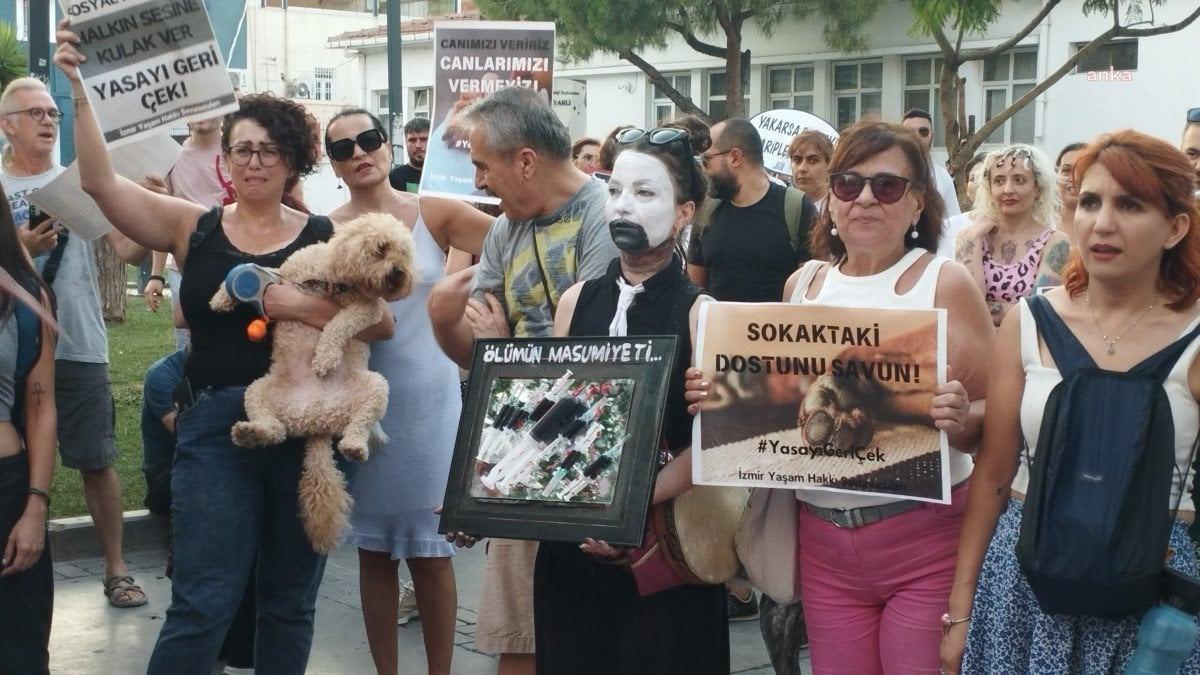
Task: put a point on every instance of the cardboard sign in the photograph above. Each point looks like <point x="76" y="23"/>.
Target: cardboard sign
<point x="777" y="129"/>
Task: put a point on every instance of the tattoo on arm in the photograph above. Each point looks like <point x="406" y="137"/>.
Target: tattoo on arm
<point x="37" y="394"/>
<point x="963" y="250"/>
<point x="1053" y="262"/>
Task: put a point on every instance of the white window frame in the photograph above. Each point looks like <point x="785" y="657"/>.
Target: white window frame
<point x="1003" y="135"/>
<point x="718" y="96"/>
<point x="380" y="98"/>
<point x="322" y="89"/>
<point x="933" y="89"/>
<point x="665" y="102"/>
<point x="788" y="98"/>
<point x="858" y="91"/>
<point x="418" y="109"/>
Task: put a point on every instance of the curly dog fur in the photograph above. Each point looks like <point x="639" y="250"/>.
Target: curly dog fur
<point x="318" y="386"/>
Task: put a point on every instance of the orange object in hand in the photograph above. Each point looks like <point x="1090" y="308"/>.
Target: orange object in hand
<point x="257" y="330"/>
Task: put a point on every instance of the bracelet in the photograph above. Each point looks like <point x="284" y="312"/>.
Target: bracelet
<point x="948" y="622"/>
<point x="159" y="278"/>
<point x="40" y="493"/>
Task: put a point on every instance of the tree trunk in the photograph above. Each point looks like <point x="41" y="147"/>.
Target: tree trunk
<point x="111" y="280"/>
<point x="733" y="72"/>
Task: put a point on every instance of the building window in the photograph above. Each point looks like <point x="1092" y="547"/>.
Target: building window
<point x="857" y="90"/>
<point x="716" y="95"/>
<point x="420" y="103"/>
<point x="1116" y="55"/>
<point x="322" y="84"/>
<point x="921" y="89"/>
<point x="663" y="107"/>
<point x="380" y="98"/>
<point x="1006" y="78"/>
<point x="790" y="87"/>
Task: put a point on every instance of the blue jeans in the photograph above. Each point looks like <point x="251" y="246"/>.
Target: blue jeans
<point x="231" y="504"/>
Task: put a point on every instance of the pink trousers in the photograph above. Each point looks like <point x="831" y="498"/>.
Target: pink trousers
<point x="874" y="595"/>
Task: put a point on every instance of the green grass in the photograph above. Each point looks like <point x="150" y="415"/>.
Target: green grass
<point x="133" y="346"/>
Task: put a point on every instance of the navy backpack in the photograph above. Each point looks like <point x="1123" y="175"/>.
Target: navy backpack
<point x="1097" y="518"/>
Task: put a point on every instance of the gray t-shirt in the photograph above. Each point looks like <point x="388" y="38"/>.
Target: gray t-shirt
<point x="572" y="244"/>
<point x="82" y="335"/>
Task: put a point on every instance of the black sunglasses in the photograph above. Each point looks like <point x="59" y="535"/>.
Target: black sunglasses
<point x="659" y="136"/>
<point x="888" y="188"/>
<point x="1193" y="115"/>
<point x="343" y="149"/>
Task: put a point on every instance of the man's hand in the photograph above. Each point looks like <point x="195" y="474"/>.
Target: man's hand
<point x="487" y="318"/>
<point x="39" y="239"/>
<point x="153" y="294"/>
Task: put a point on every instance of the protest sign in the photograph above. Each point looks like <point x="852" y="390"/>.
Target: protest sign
<point x="67" y="203"/>
<point x="473" y="59"/>
<point x="778" y="127"/>
<point x="559" y="438"/>
<point x="824" y="398"/>
<point x="150" y="63"/>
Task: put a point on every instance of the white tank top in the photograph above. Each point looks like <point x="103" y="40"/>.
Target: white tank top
<point x="1041" y="379"/>
<point x="876" y="290"/>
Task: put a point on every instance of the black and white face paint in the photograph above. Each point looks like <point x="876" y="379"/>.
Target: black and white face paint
<point x="641" y="202"/>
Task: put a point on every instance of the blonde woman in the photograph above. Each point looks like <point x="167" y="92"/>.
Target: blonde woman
<point x="1013" y="246"/>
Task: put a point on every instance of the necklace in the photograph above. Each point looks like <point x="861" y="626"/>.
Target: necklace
<point x="1112" y="342"/>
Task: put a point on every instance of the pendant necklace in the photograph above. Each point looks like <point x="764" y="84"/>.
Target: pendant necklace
<point x="1112" y="342"/>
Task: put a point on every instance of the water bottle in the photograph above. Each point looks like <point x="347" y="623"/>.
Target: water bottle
<point x="1168" y="630"/>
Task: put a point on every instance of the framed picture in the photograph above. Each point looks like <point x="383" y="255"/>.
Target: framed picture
<point x="559" y="439"/>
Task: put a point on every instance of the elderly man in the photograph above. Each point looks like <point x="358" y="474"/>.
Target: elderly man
<point x="552" y="234"/>
<point x="29" y="119"/>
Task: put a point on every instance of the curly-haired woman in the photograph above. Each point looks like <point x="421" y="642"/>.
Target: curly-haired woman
<point x="229" y="504"/>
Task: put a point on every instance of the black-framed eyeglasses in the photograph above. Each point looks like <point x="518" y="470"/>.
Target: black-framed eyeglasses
<point x="268" y="155"/>
<point x="888" y="188"/>
<point x="343" y="149"/>
<point x="706" y="156"/>
<point x="659" y="136"/>
<point x="39" y="114"/>
<point x="1193" y="115"/>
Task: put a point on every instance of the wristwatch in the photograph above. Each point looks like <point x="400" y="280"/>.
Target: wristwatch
<point x="948" y="622"/>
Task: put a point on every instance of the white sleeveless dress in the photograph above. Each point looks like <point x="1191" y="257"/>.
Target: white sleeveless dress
<point x="396" y="490"/>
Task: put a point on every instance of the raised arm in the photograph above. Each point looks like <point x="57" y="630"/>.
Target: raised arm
<point x="157" y="222"/>
<point x="455" y="223"/>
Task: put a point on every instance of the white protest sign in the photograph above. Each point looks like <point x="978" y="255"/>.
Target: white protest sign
<point x="150" y="63"/>
<point x="67" y="203"/>
<point x="778" y="127"/>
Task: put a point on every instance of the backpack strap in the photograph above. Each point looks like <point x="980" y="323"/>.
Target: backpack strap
<point x="704" y="216"/>
<point x="798" y="212"/>
<point x="322" y="227"/>
<point x="1161" y="363"/>
<point x="205" y="226"/>
<point x="50" y="269"/>
<point x="1068" y="354"/>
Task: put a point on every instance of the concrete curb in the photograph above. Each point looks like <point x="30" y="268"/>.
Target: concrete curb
<point x="74" y="538"/>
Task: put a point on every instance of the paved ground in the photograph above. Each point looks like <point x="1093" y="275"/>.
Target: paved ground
<point x="91" y="637"/>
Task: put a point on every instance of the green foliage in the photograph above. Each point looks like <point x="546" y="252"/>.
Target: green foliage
<point x="14" y="62"/>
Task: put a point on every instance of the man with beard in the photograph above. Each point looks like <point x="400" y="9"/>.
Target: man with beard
<point x="407" y="177"/>
<point x="1191" y="143"/>
<point x="753" y="233"/>
<point x="552" y="234"/>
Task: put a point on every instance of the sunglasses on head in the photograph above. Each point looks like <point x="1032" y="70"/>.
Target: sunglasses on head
<point x="659" y="136"/>
<point x="1193" y="115"/>
<point x="888" y="188"/>
<point x="343" y="149"/>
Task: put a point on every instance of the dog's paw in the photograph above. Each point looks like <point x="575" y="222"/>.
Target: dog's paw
<point x="251" y="435"/>
<point x="832" y="415"/>
<point x="222" y="301"/>
<point x="326" y="362"/>
<point x="354" y="450"/>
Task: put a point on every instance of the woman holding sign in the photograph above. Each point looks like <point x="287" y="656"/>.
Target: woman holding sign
<point x="589" y="615"/>
<point x="231" y="504"/>
<point x="876" y="570"/>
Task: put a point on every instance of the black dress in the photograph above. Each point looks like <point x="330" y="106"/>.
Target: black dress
<point x="588" y="615"/>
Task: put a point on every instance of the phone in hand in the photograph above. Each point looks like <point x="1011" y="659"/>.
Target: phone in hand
<point x="37" y="216"/>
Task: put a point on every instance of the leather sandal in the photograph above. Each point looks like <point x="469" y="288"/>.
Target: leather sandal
<point x="121" y="591"/>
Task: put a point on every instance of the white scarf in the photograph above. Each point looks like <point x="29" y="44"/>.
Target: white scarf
<point x="619" y="326"/>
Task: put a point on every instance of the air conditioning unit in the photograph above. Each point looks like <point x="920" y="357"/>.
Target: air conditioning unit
<point x="303" y="90"/>
<point x="240" y="77"/>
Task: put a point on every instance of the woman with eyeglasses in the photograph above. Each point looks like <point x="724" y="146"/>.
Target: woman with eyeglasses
<point x="231" y="504"/>
<point x="1013" y="246"/>
<point x="399" y="486"/>
<point x="875" y="595"/>
<point x="588" y="613"/>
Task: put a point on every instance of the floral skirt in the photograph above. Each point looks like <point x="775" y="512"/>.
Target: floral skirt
<point x="1009" y="633"/>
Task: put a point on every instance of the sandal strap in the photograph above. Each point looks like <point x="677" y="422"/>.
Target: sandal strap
<point x="118" y="583"/>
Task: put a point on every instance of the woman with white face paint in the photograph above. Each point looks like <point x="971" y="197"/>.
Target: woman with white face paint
<point x="587" y="611"/>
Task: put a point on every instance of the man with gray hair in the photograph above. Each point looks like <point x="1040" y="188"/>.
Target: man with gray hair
<point x="552" y="234"/>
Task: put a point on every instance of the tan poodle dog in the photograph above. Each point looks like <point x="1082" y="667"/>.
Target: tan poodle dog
<point x="318" y="386"/>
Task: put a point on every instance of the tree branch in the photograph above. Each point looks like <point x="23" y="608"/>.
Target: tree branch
<point x="658" y="79"/>
<point x="980" y="54"/>
<point x="1125" y="31"/>
<point x="692" y="41"/>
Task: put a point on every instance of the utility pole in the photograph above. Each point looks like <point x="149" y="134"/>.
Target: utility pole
<point x="395" y="120"/>
<point x="39" y="40"/>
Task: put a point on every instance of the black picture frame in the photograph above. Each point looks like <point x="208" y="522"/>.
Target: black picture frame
<point x="646" y="360"/>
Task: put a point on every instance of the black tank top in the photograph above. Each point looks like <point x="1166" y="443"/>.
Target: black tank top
<point x="663" y="308"/>
<point x="221" y="354"/>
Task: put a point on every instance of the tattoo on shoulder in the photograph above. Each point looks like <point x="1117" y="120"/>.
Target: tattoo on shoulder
<point x="963" y="249"/>
<point x="1056" y="257"/>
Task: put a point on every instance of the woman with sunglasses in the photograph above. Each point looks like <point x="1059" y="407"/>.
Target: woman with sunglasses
<point x="874" y="594"/>
<point x="1013" y="246"/>
<point x="397" y="489"/>
<point x="231" y="504"/>
<point x="589" y="615"/>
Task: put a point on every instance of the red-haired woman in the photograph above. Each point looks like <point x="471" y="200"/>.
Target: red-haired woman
<point x="1130" y="291"/>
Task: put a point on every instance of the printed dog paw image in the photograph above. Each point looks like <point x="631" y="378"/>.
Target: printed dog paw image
<point x="831" y="414"/>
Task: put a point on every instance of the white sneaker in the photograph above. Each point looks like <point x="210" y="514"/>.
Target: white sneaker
<point x="408" y="603"/>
